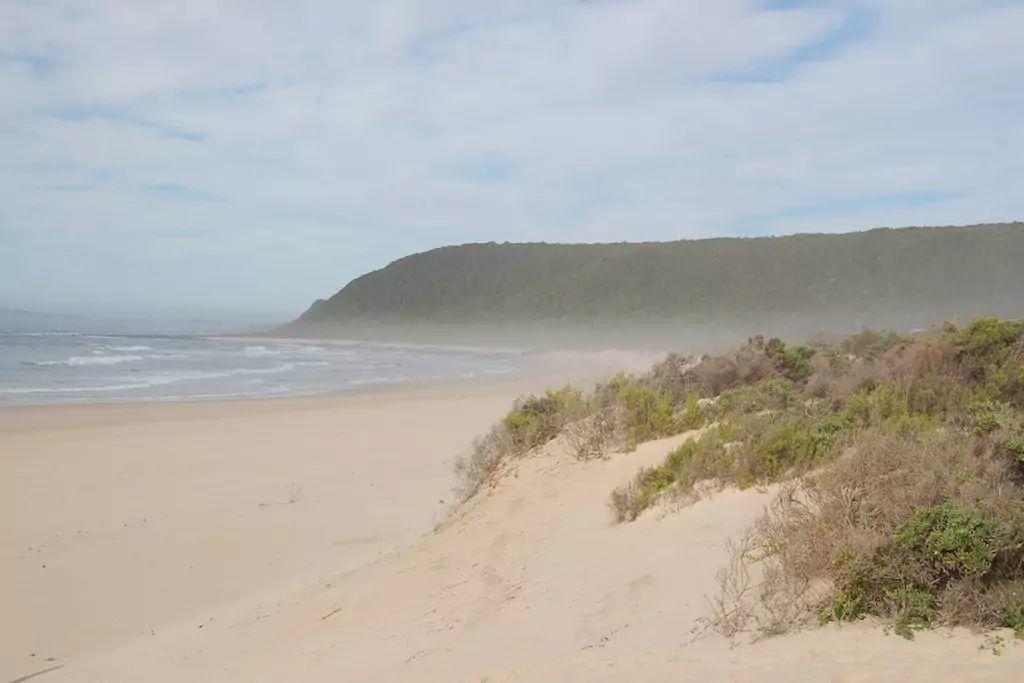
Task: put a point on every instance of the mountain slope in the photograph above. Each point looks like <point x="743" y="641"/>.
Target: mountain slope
<point x="930" y="271"/>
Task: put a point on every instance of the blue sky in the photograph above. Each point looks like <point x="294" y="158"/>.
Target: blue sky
<point x="249" y="157"/>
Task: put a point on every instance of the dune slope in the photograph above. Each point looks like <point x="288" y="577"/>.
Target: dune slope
<point x="531" y="581"/>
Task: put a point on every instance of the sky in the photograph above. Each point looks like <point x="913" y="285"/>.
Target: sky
<point x="249" y="157"/>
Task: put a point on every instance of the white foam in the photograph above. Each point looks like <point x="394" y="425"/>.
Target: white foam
<point x="199" y="375"/>
<point x="77" y="361"/>
<point x="74" y="390"/>
<point x="260" y="351"/>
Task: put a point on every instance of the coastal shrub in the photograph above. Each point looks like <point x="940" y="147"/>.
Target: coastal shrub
<point x="792" y="362"/>
<point x="629" y="501"/>
<point x="592" y="435"/>
<point x="987" y="342"/>
<point x="674" y="376"/>
<point x="1013" y="618"/>
<point x="773" y="394"/>
<point x="912" y="608"/>
<point x="948" y="541"/>
<point x="535" y="420"/>
<point x="748" y="365"/>
<point x="746" y="449"/>
<point x="1015" y="448"/>
<point x="905" y="463"/>
<point x="695" y="459"/>
<point x="899" y="461"/>
<point x="648" y="414"/>
<point x="485" y="459"/>
<point x="989" y="351"/>
<point x="871" y="344"/>
<point x="693" y="414"/>
<point x="920" y="529"/>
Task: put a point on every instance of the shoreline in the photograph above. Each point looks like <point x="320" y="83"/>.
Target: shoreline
<point x="271" y="400"/>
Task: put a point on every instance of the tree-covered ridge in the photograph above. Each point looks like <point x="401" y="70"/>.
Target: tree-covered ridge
<point x="927" y="270"/>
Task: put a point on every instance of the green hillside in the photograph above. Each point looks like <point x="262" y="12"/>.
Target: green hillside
<point x="930" y="272"/>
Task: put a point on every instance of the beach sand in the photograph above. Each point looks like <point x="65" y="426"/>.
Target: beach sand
<point x="124" y="518"/>
<point x="294" y="540"/>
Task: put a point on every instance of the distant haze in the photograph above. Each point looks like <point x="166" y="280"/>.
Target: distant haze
<point x="249" y="157"/>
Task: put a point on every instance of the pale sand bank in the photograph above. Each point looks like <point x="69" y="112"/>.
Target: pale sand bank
<point x="529" y="582"/>
<point x="122" y="518"/>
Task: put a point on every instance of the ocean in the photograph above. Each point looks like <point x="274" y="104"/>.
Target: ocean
<point x="46" y="367"/>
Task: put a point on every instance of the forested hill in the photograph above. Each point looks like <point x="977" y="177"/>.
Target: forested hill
<point x="932" y="272"/>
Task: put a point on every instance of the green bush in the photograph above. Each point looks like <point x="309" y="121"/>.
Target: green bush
<point x="985" y="417"/>
<point x="844" y="607"/>
<point x="914" y="609"/>
<point x="990" y="352"/>
<point x="535" y="420"/>
<point x="629" y="501"/>
<point x="788" y="446"/>
<point x="777" y="393"/>
<point x="871" y="344"/>
<point x="693" y="414"/>
<point x="949" y="541"/>
<point x="987" y="341"/>
<point x="1015" y="447"/>
<point x="1013" y="617"/>
<point x="649" y="414"/>
<point x="793" y="362"/>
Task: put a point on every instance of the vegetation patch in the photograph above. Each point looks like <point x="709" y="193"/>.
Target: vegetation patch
<point x="915" y="514"/>
<point x="900" y="461"/>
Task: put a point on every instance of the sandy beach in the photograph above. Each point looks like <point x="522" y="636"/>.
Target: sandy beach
<point x="125" y="518"/>
<point x="295" y="540"/>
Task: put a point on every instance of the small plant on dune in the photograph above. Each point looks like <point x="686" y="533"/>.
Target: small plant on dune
<point x="484" y="461"/>
<point x="693" y="414"/>
<point x="1013" y="618"/>
<point x="913" y="609"/>
<point x="628" y="502"/>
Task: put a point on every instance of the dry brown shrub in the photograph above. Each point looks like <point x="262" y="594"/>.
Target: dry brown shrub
<point x="853" y="508"/>
<point x="749" y="365"/>
<point x="1017" y="354"/>
<point x="672" y="376"/>
<point x="834" y="377"/>
<point x="484" y="461"/>
<point x="732" y="606"/>
<point x="595" y="435"/>
<point x="913" y="362"/>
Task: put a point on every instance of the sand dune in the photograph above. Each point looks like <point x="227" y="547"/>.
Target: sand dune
<point x="528" y="582"/>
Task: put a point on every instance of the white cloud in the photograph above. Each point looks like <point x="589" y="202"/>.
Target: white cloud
<point x="341" y="135"/>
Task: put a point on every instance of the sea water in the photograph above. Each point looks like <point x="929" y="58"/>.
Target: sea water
<point x="41" y="367"/>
